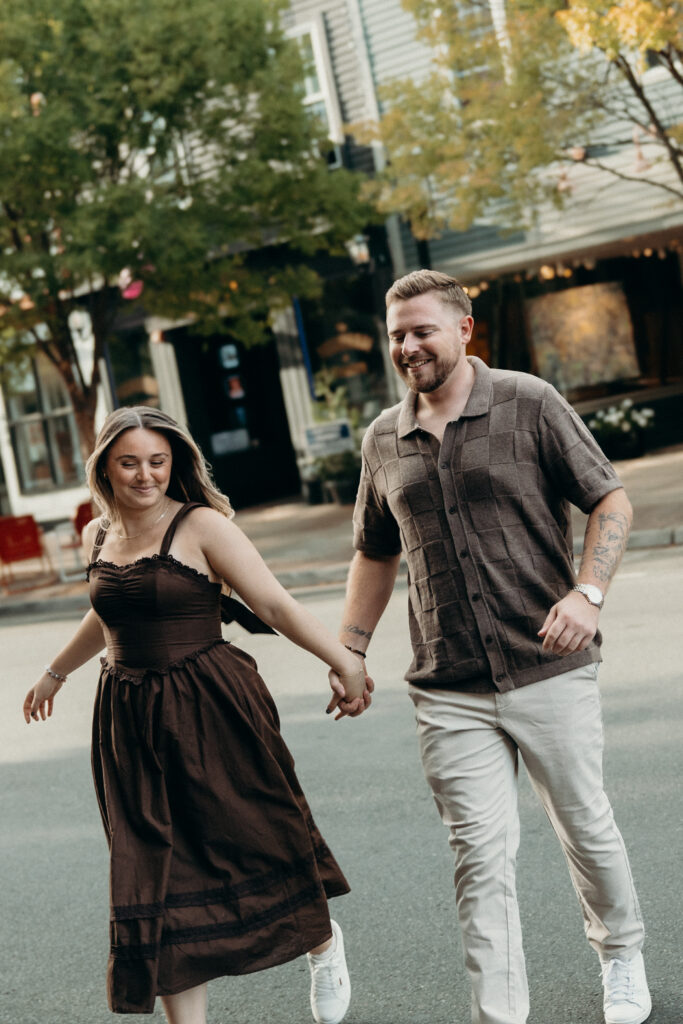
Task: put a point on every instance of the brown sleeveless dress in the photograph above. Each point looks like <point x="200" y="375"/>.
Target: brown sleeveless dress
<point x="217" y="866"/>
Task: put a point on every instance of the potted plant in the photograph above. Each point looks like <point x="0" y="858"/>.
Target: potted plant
<point x="620" y="429"/>
<point x="340" y="476"/>
<point x="311" y="484"/>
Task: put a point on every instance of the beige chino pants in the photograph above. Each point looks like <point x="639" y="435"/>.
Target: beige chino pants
<point x="469" y="745"/>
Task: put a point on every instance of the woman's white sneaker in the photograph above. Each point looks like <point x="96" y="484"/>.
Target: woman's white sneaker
<point x="330" y="984"/>
<point x="627" y="997"/>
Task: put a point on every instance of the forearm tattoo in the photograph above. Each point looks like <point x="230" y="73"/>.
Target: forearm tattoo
<point x="358" y="631"/>
<point x="610" y="544"/>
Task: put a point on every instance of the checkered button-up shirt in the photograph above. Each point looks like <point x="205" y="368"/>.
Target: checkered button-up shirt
<point x="483" y="521"/>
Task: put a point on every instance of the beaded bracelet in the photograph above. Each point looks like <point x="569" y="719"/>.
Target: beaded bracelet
<point x="361" y="654"/>
<point x="55" y="675"/>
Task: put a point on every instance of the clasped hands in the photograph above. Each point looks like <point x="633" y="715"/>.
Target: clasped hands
<point x="343" y="701"/>
<point x="569" y="626"/>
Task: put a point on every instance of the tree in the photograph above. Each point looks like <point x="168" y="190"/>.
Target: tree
<point x="519" y="89"/>
<point x="166" y="142"/>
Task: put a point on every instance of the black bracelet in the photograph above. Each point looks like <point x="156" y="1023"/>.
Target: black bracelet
<point x="361" y="654"/>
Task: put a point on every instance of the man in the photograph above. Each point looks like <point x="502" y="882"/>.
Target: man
<point x="471" y="477"/>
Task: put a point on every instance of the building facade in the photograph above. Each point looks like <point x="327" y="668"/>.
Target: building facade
<point x="590" y="299"/>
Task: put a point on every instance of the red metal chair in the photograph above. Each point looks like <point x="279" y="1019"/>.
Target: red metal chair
<point x="68" y="539"/>
<point x="82" y="516"/>
<point x="21" y="539"/>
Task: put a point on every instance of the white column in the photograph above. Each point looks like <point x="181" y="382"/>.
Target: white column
<point x="293" y="378"/>
<point x="165" y="368"/>
<point x="9" y="465"/>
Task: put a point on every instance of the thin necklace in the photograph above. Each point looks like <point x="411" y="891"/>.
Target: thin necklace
<point x="132" y="536"/>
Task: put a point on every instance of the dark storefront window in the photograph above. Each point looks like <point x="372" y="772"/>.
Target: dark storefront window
<point x="131" y="365"/>
<point x="345" y="347"/>
<point x="235" y="411"/>
<point x="594" y="331"/>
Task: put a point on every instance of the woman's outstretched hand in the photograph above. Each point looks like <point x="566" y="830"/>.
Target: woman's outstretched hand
<point x="351" y="693"/>
<point x="40" y="698"/>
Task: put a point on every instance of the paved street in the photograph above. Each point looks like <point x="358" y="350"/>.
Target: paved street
<point x="366" y="789"/>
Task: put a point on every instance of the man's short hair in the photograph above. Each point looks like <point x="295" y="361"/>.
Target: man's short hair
<point x="419" y="282"/>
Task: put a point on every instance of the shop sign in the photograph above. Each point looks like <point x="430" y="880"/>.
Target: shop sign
<point x="328" y="438"/>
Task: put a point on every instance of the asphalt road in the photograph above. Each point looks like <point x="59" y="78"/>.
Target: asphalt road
<point x="365" y="786"/>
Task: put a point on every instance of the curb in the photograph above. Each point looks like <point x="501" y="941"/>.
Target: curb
<point x="46" y="610"/>
<point x="304" y="581"/>
<point x="292" y="579"/>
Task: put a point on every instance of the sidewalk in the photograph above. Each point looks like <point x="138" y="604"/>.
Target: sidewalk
<point x="310" y="545"/>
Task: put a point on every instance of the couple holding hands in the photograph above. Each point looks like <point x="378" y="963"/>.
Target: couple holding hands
<point x="217" y="866"/>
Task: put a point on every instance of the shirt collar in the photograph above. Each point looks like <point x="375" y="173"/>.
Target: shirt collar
<point x="478" y="403"/>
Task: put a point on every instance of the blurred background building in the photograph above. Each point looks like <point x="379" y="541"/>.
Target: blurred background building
<point x="590" y="299"/>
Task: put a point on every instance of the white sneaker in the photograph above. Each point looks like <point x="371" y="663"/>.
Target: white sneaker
<point x="330" y="985"/>
<point x="627" y="997"/>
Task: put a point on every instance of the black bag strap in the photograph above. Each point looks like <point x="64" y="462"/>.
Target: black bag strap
<point x="235" y="611"/>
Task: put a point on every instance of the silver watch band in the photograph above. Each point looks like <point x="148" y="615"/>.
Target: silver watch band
<point x="592" y="593"/>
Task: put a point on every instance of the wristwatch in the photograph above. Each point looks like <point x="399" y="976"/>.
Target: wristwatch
<point x="592" y="593"/>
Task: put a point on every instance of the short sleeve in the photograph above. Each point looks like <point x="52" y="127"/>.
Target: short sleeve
<point x="375" y="531"/>
<point x="570" y="455"/>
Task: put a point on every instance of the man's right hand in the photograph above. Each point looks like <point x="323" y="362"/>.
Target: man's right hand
<point x="348" y="708"/>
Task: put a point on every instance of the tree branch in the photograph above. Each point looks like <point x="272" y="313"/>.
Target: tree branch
<point x="13" y="218"/>
<point x="639" y="91"/>
<point x="671" y="62"/>
<point x="631" y="177"/>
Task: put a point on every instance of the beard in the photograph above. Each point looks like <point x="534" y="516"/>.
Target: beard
<point x="440" y="370"/>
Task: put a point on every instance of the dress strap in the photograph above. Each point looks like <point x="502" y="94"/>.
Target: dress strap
<point x="99" y="541"/>
<point x="173" y="525"/>
<point x="231" y="610"/>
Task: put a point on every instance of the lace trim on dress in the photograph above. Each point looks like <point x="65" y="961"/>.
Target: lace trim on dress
<point x="231" y="610"/>
<point x="125" y="674"/>
<point x="189" y="570"/>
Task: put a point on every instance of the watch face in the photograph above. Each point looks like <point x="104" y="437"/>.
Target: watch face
<point x="594" y="594"/>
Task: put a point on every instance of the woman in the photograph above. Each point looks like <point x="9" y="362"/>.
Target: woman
<point x="216" y="864"/>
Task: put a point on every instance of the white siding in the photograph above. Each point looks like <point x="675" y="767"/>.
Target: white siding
<point x="393" y="47"/>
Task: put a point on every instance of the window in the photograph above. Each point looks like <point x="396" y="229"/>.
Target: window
<point x="319" y="92"/>
<point x="42" y="428"/>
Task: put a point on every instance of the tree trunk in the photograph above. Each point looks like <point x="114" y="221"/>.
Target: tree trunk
<point x="84" y="414"/>
<point x="62" y="352"/>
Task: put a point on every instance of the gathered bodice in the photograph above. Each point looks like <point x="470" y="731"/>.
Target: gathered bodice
<point x="156" y="610"/>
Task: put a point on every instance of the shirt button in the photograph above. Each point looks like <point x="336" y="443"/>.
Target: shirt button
<point x="475" y="597"/>
<point x="500" y="678"/>
<point x="451" y="510"/>
<point x="464" y="553"/>
<point x="489" y="640"/>
<point x="444" y="465"/>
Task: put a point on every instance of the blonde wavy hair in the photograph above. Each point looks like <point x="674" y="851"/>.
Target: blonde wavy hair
<point x="190" y="473"/>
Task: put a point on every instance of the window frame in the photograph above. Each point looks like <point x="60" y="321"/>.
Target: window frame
<point x="314" y="28"/>
<point x="45" y="417"/>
